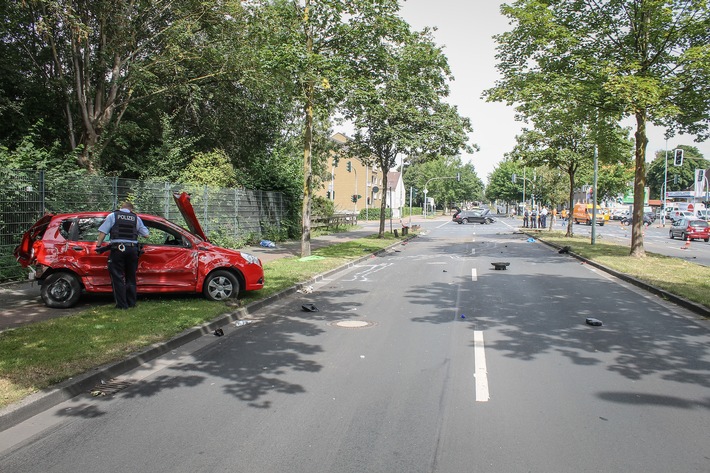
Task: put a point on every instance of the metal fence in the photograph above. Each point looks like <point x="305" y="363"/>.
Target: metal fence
<point x="224" y="214"/>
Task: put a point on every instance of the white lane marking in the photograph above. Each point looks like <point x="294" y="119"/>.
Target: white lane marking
<point x="474" y="275"/>
<point x="473" y="251"/>
<point x="480" y="371"/>
<point x="363" y="275"/>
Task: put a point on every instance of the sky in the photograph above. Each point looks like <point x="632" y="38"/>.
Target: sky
<point x="465" y="29"/>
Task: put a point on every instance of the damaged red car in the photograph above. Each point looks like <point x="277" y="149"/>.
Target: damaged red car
<point x="60" y="252"/>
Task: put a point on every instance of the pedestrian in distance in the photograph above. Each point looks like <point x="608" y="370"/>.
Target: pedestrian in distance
<point x="526" y="215"/>
<point x="543" y="217"/>
<point x="123" y="227"/>
<point x="533" y="218"/>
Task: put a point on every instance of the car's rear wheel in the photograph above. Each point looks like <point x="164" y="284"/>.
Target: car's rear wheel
<point x="220" y="285"/>
<point x="61" y="290"/>
<point x="683" y="236"/>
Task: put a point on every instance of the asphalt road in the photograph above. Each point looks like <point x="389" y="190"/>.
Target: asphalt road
<point x="423" y="360"/>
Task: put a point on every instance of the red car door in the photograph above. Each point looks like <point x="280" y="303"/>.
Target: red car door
<point x="169" y="260"/>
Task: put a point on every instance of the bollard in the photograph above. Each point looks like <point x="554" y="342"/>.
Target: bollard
<point x="396" y="235"/>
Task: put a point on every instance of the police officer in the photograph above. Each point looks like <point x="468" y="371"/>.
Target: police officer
<point x="123" y="226"/>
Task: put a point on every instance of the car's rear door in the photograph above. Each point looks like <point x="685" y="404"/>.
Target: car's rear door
<point x="80" y="252"/>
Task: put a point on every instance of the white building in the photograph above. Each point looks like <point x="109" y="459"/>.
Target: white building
<point x="395" y="193"/>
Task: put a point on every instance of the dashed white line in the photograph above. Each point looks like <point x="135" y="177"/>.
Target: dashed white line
<point x="480" y="371"/>
<point x="474" y="275"/>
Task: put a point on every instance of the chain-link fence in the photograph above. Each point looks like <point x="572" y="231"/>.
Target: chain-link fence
<point x="226" y="215"/>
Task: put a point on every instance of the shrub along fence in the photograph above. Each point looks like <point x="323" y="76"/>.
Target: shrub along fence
<point x="230" y="217"/>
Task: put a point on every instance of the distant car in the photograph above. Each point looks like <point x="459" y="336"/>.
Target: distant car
<point x="619" y="214"/>
<point x="690" y="229"/>
<point x="60" y="249"/>
<point x="703" y="214"/>
<point x="473" y="216"/>
<point x="681" y="214"/>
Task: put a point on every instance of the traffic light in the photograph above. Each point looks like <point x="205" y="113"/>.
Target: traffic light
<point x="354" y="198"/>
<point x="678" y="157"/>
<point x="349" y="168"/>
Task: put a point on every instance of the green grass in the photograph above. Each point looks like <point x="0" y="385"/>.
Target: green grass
<point x="680" y="277"/>
<point x="38" y="355"/>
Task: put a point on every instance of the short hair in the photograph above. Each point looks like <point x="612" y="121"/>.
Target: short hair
<point x="127" y="205"/>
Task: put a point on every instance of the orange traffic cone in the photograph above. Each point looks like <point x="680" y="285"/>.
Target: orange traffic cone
<point x="686" y="246"/>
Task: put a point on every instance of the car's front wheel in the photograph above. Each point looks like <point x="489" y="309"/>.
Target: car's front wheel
<point x="220" y="285"/>
<point x="670" y="234"/>
<point x="61" y="290"/>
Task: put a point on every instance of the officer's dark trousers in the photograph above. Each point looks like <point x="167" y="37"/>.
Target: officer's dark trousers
<point x="122" y="266"/>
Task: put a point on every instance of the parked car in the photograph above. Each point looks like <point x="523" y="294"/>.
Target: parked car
<point x="618" y="214"/>
<point x="473" y="216"/>
<point x="703" y="214"/>
<point x="690" y="229"/>
<point x="675" y="216"/>
<point x="60" y="250"/>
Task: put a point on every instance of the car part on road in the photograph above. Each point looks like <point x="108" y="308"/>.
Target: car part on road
<point x="500" y="265"/>
<point x="594" y="322"/>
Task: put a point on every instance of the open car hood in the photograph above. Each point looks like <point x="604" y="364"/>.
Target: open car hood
<point x="188" y="213"/>
<point x="23" y="252"/>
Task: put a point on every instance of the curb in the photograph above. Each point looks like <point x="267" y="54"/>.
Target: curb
<point x="681" y="301"/>
<point x="50" y="397"/>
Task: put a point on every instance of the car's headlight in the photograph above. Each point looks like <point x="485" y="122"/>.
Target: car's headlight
<point x="251" y="259"/>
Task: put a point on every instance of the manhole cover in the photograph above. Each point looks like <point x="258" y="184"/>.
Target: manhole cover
<point x="111" y="387"/>
<point x="352" y="324"/>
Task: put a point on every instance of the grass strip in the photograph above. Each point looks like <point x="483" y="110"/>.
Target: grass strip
<point x="680" y="277"/>
<point x="39" y="355"/>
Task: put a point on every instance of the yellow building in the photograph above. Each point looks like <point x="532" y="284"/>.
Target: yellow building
<point x="348" y="177"/>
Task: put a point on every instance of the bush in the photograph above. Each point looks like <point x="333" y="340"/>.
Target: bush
<point x="374" y="214"/>
<point x="322" y="207"/>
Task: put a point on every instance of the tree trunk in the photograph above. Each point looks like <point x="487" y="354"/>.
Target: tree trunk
<point x="307" y="174"/>
<point x="383" y="205"/>
<point x="570" y="206"/>
<point x="639" y="186"/>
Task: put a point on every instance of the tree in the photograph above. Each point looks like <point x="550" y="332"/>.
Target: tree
<point x="506" y="182"/>
<point x="398" y="108"/>
<point x="99" y="56"/>
<point x="679" y="178"/>
<point x="321" y="46"/>
<point x="211" y="169"/>
<point x="642" y="58"/>
<point x="439" y="176"/>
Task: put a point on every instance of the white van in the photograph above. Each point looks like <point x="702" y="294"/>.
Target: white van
<point x="674" y="209"/>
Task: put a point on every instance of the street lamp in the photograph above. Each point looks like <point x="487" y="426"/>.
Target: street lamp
<point x="526" y="180"/>
<point x="457" y="177"/>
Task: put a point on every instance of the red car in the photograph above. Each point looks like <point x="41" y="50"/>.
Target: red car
<point x="60" y="249"/>
<point x="690" y="229"/>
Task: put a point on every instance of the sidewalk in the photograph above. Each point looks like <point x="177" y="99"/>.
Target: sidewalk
<point x="21" y="304"/>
